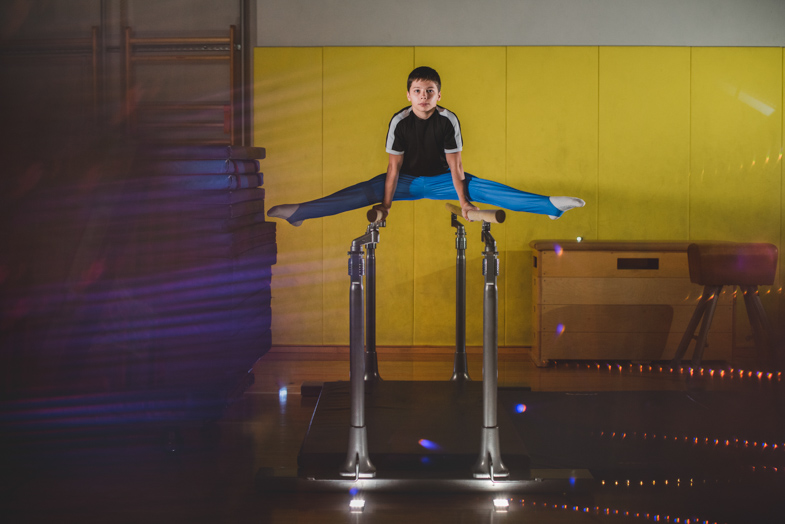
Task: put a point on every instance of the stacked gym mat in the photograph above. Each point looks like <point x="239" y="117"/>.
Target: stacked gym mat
<point x="140" y="292"/>
<point x="207" y="254"/>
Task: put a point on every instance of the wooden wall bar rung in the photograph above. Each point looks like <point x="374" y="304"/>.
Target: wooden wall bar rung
<point x="220" y="106"/>
<point x="182" y="124"/>
<point x="53" y="43"/>
<point x="180" y="58"/>
<point x="181" y="41"/>
<point x="131" y="57"/>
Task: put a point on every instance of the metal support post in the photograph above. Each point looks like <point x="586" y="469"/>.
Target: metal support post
<point x="358" y="463"/>
<point x="371" y="360"/>
<point x="489" y="464"/>
<point x="460" y="368"/>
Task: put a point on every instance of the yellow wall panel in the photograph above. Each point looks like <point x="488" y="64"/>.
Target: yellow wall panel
<point x="551" y="149"/>
<point x="644" y="153"/>
<point x="736" y="140"/>
<point x="780" y="318"/>
<point x="363" y="88"/>
<point x="662" y="143"/>
<point x="288" y="123"/>
<point x="736" y="136"/>
<point x="473" y="87"/>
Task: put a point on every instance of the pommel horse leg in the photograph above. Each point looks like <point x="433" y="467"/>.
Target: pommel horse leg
<point x="358" y="463"/>
<point x="704" y="311"/>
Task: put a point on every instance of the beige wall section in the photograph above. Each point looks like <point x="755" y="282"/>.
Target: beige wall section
<point x="551" y="149"/>
<point x="662" y="143"/>
<point x="644" y="153"/>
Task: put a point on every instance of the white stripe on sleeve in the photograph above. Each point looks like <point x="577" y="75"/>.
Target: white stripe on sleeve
<point x="449" y="115"/>
<point x="396" y="119"/>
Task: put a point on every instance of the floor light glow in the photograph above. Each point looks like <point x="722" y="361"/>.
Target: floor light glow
<point x="501" y="504"/>
<point x="357" y="505"/>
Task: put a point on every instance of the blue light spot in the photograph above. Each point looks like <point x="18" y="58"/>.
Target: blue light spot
<point x="425" y="460"/>
<point x="520" y="408"/>
<point x="353" y="491"/>
<point x="283" y="394"/>
<point x="427" y="444"/>
<point x="572" y="481"/>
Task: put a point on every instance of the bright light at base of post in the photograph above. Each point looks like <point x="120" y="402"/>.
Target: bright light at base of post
<point x="501" y="504"/>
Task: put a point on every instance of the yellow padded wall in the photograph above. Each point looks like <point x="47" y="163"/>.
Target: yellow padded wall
<point x="288" y="123"/>
<point x="605" y="124"/>
<point x="644" y="153"/>
<point x="736" y="137"/>
<point x="736" y="140"/>
<point x="779" y="286"/>
<point x="363" y="87"/>
<point x="473" y="87"/>
<point x="551" y="149"/>
<point x="779" y="316"/>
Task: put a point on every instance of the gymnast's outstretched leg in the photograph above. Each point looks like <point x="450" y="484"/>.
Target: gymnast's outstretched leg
<point x="359" y="195"/>
<point x="438" y="187"/>
<point x="500" y="195"/>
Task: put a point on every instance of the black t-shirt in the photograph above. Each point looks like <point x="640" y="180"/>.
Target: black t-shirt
<point x="424" y="143"/>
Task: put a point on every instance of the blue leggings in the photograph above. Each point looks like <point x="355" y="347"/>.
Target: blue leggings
<point x="438" y="187"/>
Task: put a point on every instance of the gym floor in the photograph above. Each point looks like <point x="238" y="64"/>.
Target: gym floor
<point x="206" y="473"/>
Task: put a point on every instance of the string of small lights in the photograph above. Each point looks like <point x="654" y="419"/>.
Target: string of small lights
<point x="671" y="483"/>
<point x="596" y="510"/>
<point x="708" y="442"/>
<point x="631" y="367"/>
<point x="769" y="457"/>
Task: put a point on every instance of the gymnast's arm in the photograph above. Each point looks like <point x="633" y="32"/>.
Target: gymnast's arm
<point x="390" y="183"/>
<point x="458" y="180"/>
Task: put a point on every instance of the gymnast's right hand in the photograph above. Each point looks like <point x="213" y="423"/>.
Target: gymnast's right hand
<point x="380" y="208"/>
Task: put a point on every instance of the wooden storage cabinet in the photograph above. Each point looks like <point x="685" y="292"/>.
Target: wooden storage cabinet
<point x="596" y="300"/>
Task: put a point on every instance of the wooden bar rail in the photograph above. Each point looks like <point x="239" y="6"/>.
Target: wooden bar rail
<point x="492" y="216"/>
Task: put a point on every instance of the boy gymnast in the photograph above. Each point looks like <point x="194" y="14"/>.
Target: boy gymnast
<point x="424" y="144"/>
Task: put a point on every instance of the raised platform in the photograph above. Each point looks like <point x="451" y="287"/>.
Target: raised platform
<point x="425" y="437"/>
<point x="421" y="429"/>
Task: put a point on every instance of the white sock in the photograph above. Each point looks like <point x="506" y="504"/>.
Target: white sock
<point x="565" y="203"/>
<point x="284" y="211"/>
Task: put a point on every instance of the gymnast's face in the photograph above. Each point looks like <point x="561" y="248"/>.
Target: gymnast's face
<point x="424" y="94"/>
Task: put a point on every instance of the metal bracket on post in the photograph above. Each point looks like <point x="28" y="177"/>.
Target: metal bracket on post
<point x="371" y="360"/>
<point x="358" y="463"/>
<point x="460" y="368"/>
<point x="489" y="464"/>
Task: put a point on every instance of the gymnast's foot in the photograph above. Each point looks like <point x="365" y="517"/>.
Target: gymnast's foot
<point x="563" y="203"/>
<point x="284" y="211"/>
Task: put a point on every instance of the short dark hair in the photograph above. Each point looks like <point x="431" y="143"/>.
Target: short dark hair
<point x="424" y="73"/>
